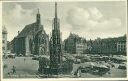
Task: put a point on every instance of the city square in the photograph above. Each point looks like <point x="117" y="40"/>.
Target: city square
<point x="33" y="53"/>
<point x="30" y="70"/>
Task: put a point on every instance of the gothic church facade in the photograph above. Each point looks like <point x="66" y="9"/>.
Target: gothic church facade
<point x="31" y="40"/>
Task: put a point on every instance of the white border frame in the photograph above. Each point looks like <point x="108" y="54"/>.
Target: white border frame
<point x="56" y="79"/>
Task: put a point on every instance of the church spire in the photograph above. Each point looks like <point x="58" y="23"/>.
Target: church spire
<point x="56" y="20"/>
<point x="38" y="17"/>
<point x="38" y="11"/>
<point x="55" y="9"/>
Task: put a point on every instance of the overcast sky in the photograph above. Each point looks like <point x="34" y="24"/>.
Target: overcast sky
<point x="87" y="19"/>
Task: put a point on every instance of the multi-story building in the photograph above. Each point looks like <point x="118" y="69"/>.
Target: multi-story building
<point x="121" y="46"/>
<point x="75" y="44"/>
<point x="55" y="46"/>
<point x="108" y="46"/>
<point x="4" y="40"/>
<point x="31" y="40"/>
<point x="70" y="44"/>
<point x="79" y="48"/>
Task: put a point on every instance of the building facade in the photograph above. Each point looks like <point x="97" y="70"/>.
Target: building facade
<point x="108" y="46"/>
<point x="32" y="40"/>
<point x="4" y="40"/>
<point x="75" y="44"/>
<point x="79" y="48"/>
<point x="121" y="45"/>
<point x="55" y="46"/>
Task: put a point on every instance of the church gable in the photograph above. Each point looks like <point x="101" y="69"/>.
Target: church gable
<point x="33" y="35"/>
<point x="29" y="29"/>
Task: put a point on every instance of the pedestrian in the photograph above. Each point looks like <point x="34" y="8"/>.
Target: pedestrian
<point x="8" y="73"/>
<point x="13" y="69"/>
<point x="24" y="59"/>
<point x="75" y="73"/>
<point x="79" y="73"/>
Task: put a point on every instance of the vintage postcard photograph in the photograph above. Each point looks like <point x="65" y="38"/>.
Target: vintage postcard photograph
<point x="83" y="39"/>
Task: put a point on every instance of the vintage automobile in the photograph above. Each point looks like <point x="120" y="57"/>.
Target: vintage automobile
<point x="95" y="69"/>
<point x="122" y="66"/>
<point x="100" y="69"/>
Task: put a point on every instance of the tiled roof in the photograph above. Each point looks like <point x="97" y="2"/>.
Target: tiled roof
<point x="27" y="30"/>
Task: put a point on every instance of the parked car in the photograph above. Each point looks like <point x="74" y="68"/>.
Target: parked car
<point x="122" y="67"/>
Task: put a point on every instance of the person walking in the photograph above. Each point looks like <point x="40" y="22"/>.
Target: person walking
<point x="13" y="69"/>
<point x="24" y="59"/>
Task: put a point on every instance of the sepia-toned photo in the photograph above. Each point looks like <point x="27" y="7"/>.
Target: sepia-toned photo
<point x="83" y="39"/>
